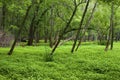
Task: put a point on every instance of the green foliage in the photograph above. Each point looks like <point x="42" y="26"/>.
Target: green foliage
<point x="15" y="11"/>
<point x="116" y="2"/>
<point x="13" y="29"/>
<point x="90" y="62"/>
<point x="103" y="42"/>
<point x="48" y="58"/>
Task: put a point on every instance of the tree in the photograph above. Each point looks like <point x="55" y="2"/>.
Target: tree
<point x="87" y="24"/>
<point x="67" y="25"/>
<point x="20" y="29"/>
<point x="111" y="31"/>
<point x="80" y="26"/>
<point x="32" y="28"/>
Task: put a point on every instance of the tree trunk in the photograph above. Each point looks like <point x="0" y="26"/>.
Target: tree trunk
<point x="20" y="29"/>
<point x="37" y="38"/>
<point x="66" y="40"/>
<point x="51" y="28"/>
<point x="81" y="22"/>
<point x="31" y="32"/>
<point x="112" y="27"/>
<point x="56" y="38"/>
<point x="3" y="17"/>
<point x="46" y="35"/>
<point x="32" y="27"/>
<point x="51" y="41"/>
<point x="86" y="25"/>
<point x="110" y="36"/>
<point x="65" y="29"/>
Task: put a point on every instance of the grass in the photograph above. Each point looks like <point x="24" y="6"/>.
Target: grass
<point x="90" y="62"/>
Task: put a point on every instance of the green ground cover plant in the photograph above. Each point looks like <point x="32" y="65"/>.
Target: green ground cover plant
<point x="90" y="62"/>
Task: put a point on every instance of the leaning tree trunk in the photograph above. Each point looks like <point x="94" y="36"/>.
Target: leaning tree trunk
<point x="20" y="29"/>
<point x="66" y="27"/>
<point x="86" y="25"/>
<point x="80" y="26"/>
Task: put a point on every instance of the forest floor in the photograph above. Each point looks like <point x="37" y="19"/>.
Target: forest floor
<point x="90" y="62"/>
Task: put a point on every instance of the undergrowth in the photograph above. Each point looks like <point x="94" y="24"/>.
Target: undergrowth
<point x="90" y="62"/>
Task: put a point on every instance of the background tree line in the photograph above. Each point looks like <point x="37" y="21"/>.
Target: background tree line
<point x="59" y="21"/>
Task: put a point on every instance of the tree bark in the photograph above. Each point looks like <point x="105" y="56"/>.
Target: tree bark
<point x="80" y="26"/>
<point x="86" y="26"/>
<point x="31" y="32"/>
<point x="51" y="27"/>
<point x="20" y="29"/>
<point x="37" y="37"/>
<point x="65" y="29"/>
<point x="112" y="27"/>
<point x="32" y="27"/>
<point x="110" y="36"/>
<point x="3" y="16"/>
